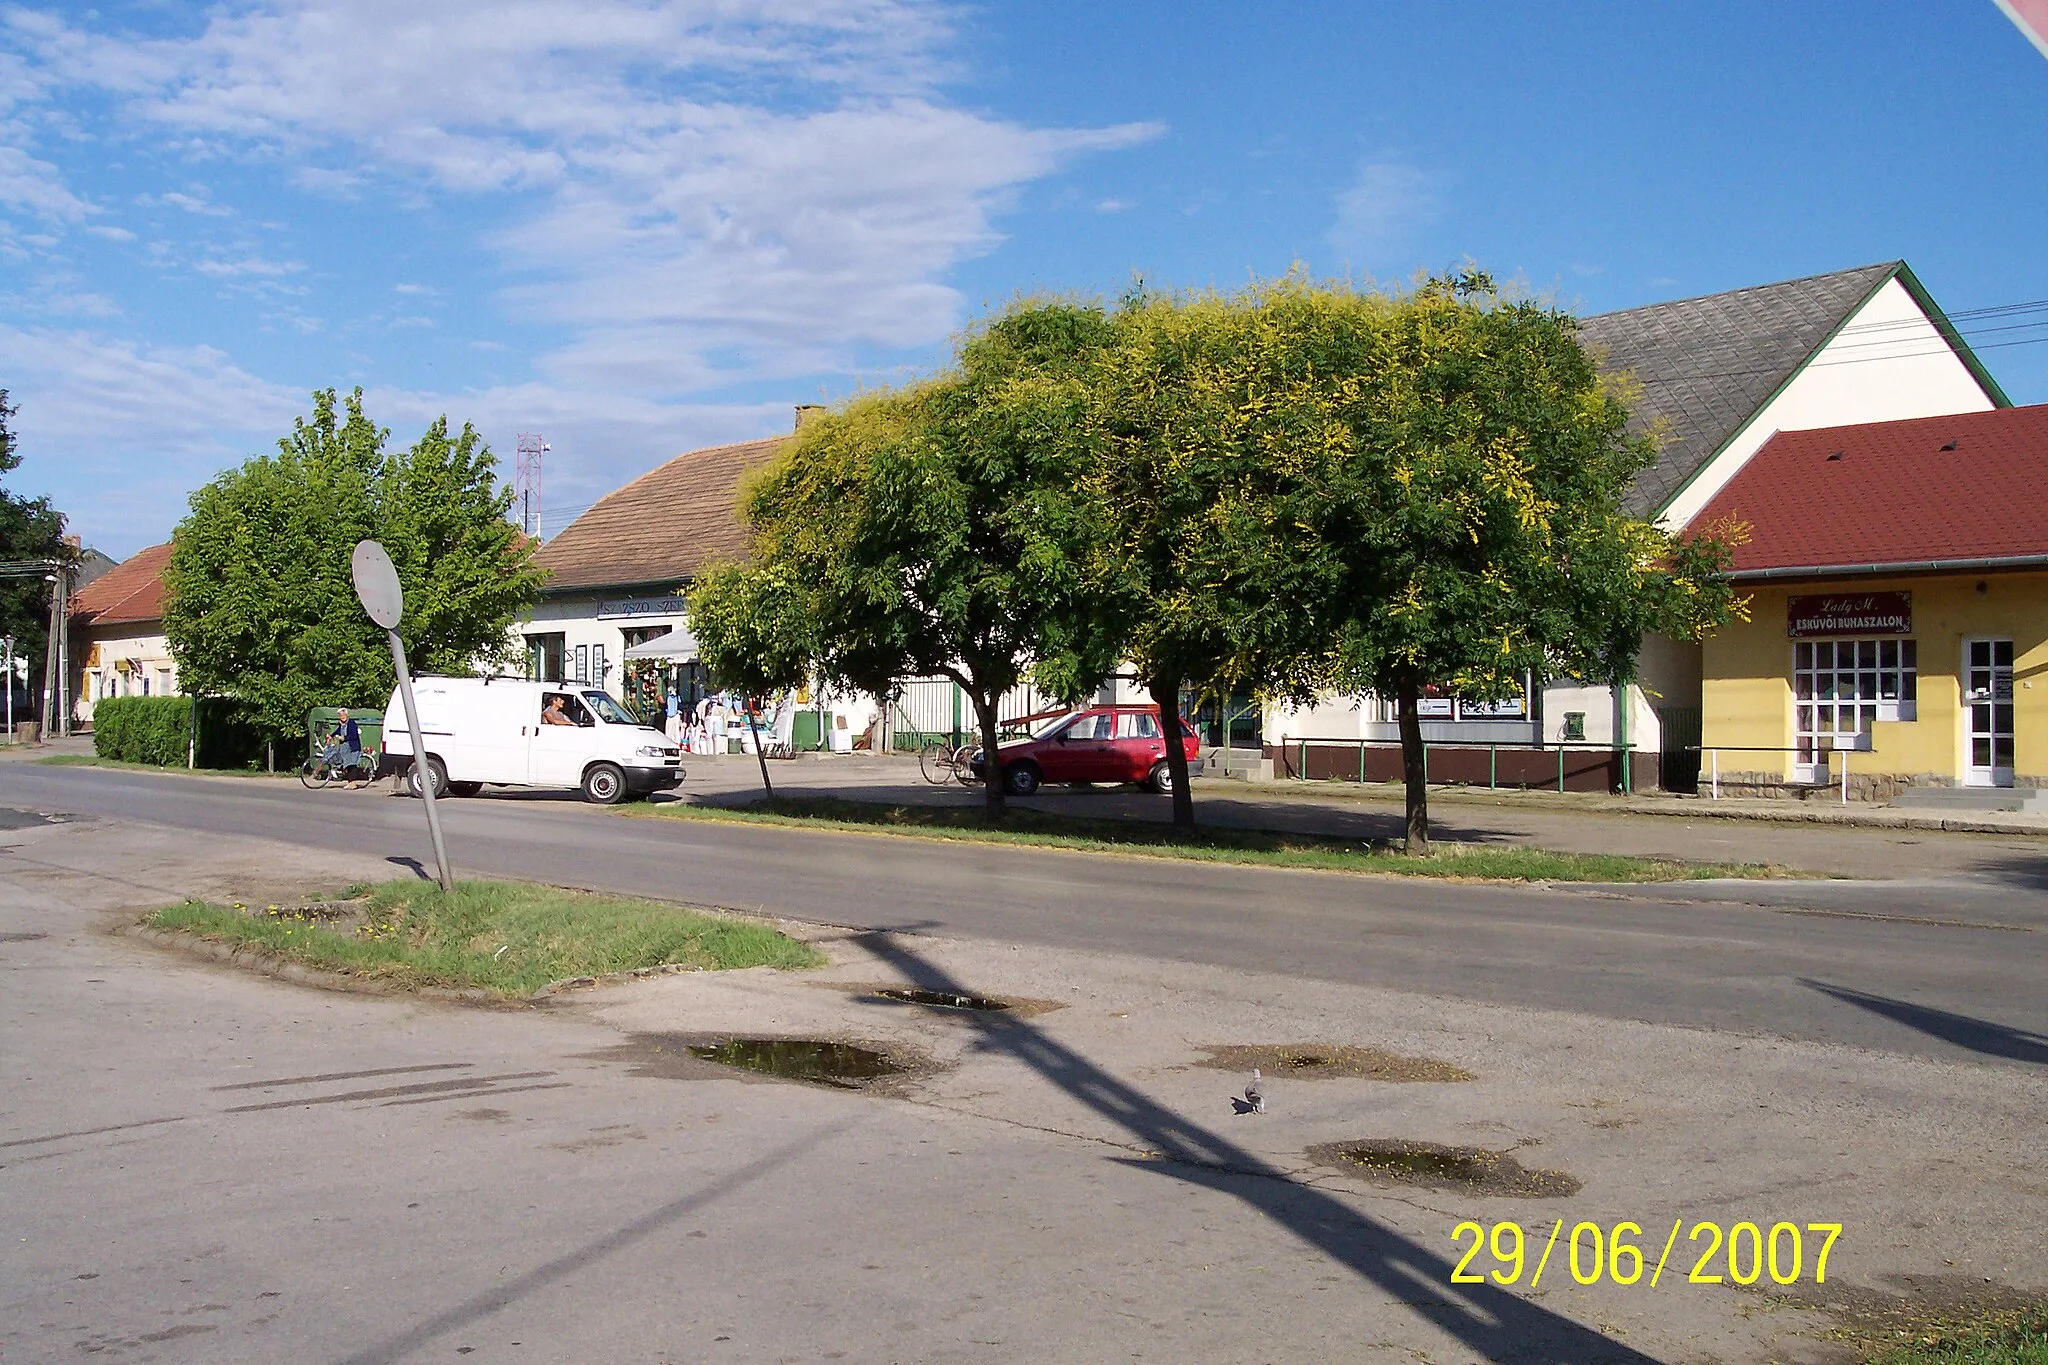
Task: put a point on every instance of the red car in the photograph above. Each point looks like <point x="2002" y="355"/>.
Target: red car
<point x="1100" y="744"/>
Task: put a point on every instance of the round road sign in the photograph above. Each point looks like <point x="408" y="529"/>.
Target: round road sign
<point x="377" y="584"/>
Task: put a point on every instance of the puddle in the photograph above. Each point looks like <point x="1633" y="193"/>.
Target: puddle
<point x="945" y="1000"/>
<point x="1475" y="1170"/>
<point x="1311" y="1061"/>
<point x="800" y="1059"/>
<point x="11" y="818"/>
<point x="712" y="1057"/>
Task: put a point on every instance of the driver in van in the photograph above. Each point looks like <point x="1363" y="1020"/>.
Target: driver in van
<point x="554" y="714"/>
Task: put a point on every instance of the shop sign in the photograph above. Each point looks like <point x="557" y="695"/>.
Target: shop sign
<point x="1508" y="708"/>
<point x="1849" y="613"/>
<point x="640" y="606"/>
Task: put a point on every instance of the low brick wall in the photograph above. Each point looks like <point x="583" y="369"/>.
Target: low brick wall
<point x="1585" y="770"/>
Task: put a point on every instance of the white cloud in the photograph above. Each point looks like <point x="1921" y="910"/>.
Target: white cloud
<point x="247" y="266"/>
<point x="1380" y="209"/>
<point x="1113" y="206"/>
<point x="112" y="234"/>
<point x="686" y="194"/>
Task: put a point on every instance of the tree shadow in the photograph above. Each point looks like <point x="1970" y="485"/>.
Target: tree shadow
<point x="1975" y="1035"/>
<point x="1489" y="1321"/>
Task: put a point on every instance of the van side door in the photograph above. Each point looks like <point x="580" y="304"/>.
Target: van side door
<point x="564" y="738"/>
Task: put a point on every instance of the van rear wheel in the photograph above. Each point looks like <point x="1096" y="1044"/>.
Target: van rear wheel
<point x="436" y="769"/>
<point x="604" y="784"/>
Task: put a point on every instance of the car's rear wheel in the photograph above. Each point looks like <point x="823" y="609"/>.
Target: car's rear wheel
<point x="1160" y="779"/>
<point x="604" y="784"/>
<point x="1021" y="779"/>
<point x="465" y="788"/>
<point x="436" y="769"/>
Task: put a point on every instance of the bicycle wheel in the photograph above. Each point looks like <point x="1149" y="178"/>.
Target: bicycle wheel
<point x="935" y="761"/>
<point x="962" y="765"/>
<point x="316" y="773"/>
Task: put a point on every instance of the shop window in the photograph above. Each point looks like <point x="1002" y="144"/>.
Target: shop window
<point x="1841" y="688"/>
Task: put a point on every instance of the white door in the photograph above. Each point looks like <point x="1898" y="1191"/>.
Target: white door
<point x="560" y="751"/>
<point x="1987" y="699"/>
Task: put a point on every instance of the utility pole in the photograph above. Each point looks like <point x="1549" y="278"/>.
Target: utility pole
<point x="526" y="480"/>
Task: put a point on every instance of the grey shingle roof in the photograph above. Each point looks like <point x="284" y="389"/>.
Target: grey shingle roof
<point x="1707" y="364"/>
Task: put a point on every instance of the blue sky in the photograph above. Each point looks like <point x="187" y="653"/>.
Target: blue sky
<point x="639" y="226"/>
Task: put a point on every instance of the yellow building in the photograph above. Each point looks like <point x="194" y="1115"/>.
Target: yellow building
<point x="1897" y="583"/>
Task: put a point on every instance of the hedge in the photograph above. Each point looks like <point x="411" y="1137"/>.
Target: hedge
<point x="156" y="730"/>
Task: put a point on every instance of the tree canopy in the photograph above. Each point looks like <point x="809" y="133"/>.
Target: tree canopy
<point x="260" y="606"/>
<point x="934" y="530"/>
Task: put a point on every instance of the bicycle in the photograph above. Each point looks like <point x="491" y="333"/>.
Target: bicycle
<point x="334" y="767"/>
<point x="943" y="763"/>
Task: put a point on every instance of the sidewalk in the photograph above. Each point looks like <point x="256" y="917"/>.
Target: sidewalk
<point x="1865" y="814"/>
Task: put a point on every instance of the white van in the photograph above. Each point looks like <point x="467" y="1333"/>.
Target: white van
<point x="513" y="733"/>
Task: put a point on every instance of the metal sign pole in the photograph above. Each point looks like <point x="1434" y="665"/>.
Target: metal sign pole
<point x="419" y="757"/>
<point x="378" y="589"/>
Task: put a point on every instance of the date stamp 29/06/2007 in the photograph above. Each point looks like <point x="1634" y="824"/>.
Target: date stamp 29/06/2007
<point x="1744" y="1253"/>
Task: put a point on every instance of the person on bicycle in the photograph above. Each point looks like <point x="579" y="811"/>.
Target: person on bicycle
<point x="347" y="748"/>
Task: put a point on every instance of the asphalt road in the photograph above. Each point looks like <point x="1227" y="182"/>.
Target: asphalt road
<point x="1943" y="966"/>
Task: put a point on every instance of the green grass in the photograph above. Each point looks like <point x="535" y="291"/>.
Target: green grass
<point x="1268" y="848"/>
<point x="95" y="761"/>
<point x="2005" y="1339"/>
<point x="507" y="938"/>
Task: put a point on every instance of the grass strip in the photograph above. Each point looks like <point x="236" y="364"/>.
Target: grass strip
<point x="1257" y="847"/>
<point x="2002" y="1339"/>
<point x="504" y="937"/>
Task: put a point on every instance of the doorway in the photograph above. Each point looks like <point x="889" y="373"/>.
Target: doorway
<point x="1987" y="697"/>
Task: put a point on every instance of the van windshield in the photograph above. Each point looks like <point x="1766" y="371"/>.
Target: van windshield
<point x="608" y="711"/>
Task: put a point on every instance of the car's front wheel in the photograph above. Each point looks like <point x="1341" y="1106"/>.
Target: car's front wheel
<point x="604" y="784"/>
<point x="1160" y="779"/>
<point x="435" y="769"/>
<point x="1021" y="779"/>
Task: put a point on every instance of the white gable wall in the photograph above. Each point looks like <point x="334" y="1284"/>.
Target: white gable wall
<point x="1888" y="362"/>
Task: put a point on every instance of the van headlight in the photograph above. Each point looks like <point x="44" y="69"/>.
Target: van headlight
<point x="652" y="751"/>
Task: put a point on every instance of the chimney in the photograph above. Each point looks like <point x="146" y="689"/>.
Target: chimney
<point x="805" y="412"/>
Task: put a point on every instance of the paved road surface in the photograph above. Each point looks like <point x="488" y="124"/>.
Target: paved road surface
<point x="1949" y="967"/>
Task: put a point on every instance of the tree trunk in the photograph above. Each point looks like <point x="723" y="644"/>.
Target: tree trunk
<point x="1414" y="769"/>
<point x="1166" y="693"/>
<point x="754" y="728"/>
<point x="992" y="775"/>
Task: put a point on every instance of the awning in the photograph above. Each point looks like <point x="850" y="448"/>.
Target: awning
<point x="678" y="646"/>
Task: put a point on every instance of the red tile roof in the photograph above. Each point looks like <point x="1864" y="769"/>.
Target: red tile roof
<point x="130" y="593"/>
<point x="662" y="527"/>
<point x="1900" y="494"/>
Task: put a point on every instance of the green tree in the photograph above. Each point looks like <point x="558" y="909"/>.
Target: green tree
<point x="932" y="530"/>
<point x="754" y="632"/>
<point x="1214" y="412"/>
<point x="260" y="605"/>
<point x="30" y="529"/>
<point x="1477" y="466"/>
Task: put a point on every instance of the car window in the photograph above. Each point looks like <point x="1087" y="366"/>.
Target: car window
<point x="571" y="708"/>
<point x="609" y="711"/>
<point x="1137" y="725"/>
<point x="1095" y="727"/>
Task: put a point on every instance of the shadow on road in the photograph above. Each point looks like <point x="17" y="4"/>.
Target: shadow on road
<point x="1489" y="1321"/>
<point x="481" y="1306"/>
<point x="1976" y="1035"/>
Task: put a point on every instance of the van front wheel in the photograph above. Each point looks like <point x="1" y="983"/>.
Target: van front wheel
<point x="604" y="784"/>
<point x="436" y="769"/>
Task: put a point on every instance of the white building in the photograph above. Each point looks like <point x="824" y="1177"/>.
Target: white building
<point x="1719" y="376"/>
<point x="117" y="635"/>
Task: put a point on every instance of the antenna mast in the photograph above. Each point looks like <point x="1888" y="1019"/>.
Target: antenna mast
<point x="526" y="481"/>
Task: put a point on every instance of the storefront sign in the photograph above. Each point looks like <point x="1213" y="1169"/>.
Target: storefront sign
<point x="641" y="606"/>
<point x="1509" y="708"/>
<point x="1849" y="613"/>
